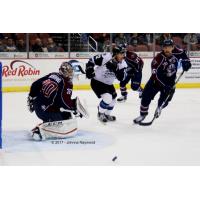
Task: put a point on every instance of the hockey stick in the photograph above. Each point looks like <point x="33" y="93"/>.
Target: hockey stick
<point x="81" y="69"/>
<point x="161" y="107"/>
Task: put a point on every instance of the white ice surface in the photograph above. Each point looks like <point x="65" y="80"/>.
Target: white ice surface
<point x="173" y="139"/>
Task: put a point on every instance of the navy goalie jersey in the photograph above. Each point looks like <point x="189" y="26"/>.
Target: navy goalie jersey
<point x="53" y="92"/>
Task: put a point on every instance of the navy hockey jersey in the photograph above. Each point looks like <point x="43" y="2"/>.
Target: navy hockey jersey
<point x="52" y="92"/>
<point x="164" y="68"/>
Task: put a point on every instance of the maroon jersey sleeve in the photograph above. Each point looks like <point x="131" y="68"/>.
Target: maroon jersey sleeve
<point x="140" y="64"/>
<point x="156" y="67"/>
<point x="66" y="94"/>
<point x="180" y="54"/>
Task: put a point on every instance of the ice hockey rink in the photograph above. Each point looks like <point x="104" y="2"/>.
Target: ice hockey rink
<point x="173" y="139"/>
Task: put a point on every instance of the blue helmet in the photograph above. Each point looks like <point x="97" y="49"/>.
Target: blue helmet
<point x="168" y="42"/>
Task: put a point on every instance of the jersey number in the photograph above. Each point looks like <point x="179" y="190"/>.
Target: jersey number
<point x="48" y="87"/>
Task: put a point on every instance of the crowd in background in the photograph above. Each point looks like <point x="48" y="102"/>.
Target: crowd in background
<point x="58" y="42"/>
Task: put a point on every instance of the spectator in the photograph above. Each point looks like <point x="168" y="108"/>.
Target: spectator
<point x="198" y="37"/>
<point x="133" y="40"/>
<point x="51" y="46"/>
<point x="37" y="47"/>
<point x="84" y="38"/>
<point x="164" y="36"/>
<point x="2" y="46"/>
<point x="120" y="39"/>
<point x="103" y="41"/>
<point x="21" y="46"/>
<point x="142" y="39"/>
<point x="10" y="46"/>
<point x="106" y="44"/>
<point x="190" y="38"/>
<point x="149" y="38"/>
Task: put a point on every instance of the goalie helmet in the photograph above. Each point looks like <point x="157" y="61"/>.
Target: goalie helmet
<point x="66" y="70"/>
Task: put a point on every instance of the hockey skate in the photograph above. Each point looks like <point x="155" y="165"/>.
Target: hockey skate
<point x="157" y="112"/>
<point x="122" y="99"/>
<point x="139" y="119"/>
<point x="102" y="117"/>
<point x="140" y="91"/>
<point x="140" y="94"/>
<point x="110" y="118"/>
<point x="36" y="134"/>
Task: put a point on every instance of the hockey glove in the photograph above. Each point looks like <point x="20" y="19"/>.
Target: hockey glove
<point x="30" y="101"/>
<point x="186" y="65"/>
<point x="112" y="66"/>
<point x="90" y="72"/>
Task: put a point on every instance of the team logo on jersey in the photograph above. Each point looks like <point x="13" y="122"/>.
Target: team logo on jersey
<point x="171" y="70"/>
<point x="69" y="91"/>
<point x="173" y="60"/>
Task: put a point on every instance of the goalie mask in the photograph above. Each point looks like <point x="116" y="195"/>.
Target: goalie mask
<point x="66" y="70"/>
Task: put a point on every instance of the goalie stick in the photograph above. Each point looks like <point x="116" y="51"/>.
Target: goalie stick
<point x="161" y="107"/>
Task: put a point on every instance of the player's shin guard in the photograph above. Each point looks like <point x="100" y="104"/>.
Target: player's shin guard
<point x="144" y="110"/>
<point x="102" y="107"/>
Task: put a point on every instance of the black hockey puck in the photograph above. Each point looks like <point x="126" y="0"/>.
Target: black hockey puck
<point x="114" y="158"/>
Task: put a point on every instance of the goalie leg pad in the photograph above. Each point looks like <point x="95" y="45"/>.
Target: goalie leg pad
<point x="81" y="108"/>
<point x="59" y="129"/>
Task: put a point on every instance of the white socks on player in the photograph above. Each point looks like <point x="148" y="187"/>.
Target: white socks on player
<point x="107" y="104"/>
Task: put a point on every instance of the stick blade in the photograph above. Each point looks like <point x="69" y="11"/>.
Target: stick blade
<point x="145" y="123"/>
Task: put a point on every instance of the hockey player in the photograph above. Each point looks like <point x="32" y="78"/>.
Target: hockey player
<point x="50" y="98"/>
<point x="103" y="70"/>
<point x="164" y="68"/>
<point x="135" y="62"/>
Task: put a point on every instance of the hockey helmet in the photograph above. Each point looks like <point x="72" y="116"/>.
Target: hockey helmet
<point x="66" y="70"/>
<point x="119" y="49"/>
<point x="168" y="42"/>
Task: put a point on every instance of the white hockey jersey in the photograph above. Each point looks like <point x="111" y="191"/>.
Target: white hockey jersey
<point x="102" y="73"/>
